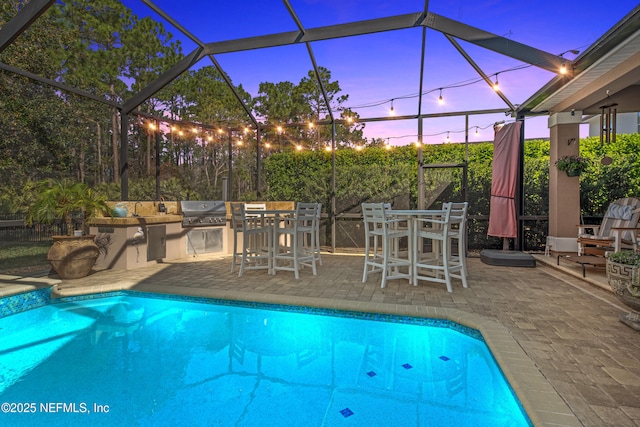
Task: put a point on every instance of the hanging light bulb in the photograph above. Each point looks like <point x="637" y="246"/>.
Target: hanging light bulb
<point x="267" y="145"/>
<point x="220" y="130"/>
<point x="392" y="111"/>
<point x="359" y="147"/>
<point x="448" y="140"/>
<point x="496" y="85"/>
<point x="279" y="129"/>
<point x="477" y="133"/>
<point x="327" y="148"/>
<point x="209" y="138"/>
<point x="152" y="126"/>
<point x="440" y="99"/>
<point x="299" y="147"/>
<point x="563" y="69"/>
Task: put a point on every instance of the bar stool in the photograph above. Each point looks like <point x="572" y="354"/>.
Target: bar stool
<point x="312" y="242"/>
<point x="378" y="225"/>
<point x="257" y="246"/>
<point x="296" y="254"/>
<point x="458" y="232"/>
<point x="436" y="228"/>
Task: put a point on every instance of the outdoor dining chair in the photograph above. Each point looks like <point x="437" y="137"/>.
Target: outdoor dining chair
<point x="458" y="233"/>
<point x="296" y="255"/>
<point x="257" y="246"/>
<point x="439" y="267"/>
<point x="312" y="242"/>
<point x="249" y="207"/>
<point x="379" y="227"/>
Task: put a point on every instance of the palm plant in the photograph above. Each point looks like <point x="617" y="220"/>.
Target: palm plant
<point x="62" y="199"/>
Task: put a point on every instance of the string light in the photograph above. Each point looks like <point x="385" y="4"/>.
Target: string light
<point x="392" y="111"/>
<point x="220" y="131"/>
<point x="496" y="85"/>
<point x="299" y="147"/>
<point x="448" y="141"/>
<point x="267" y="145"/>
<point x="477" y="133"/>
<point x="279" y="129"/>
<point x="440" y="100"/>
<point x="328" y="148"/>
<point x="310" y="125"/>
<point x="563" y="69"/>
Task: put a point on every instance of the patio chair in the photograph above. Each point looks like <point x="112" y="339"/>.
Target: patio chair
<point x="458" y="231"/>
<point x="296" y="254"/>
<point x="436" y="228"/>
<point x="257" y="247"/>
<point x="248" y="207"/>
<point x="617" y="231"/>
<point x="378" y="224"/>
<point x="313" y="241"/>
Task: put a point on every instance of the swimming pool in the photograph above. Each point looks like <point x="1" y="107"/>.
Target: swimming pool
<point x="137" y="359"/>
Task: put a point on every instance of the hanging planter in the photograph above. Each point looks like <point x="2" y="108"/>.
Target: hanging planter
<point x="572" y="165"/>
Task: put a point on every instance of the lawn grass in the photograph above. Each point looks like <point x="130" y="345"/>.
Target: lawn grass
<point x="15" y="256"/>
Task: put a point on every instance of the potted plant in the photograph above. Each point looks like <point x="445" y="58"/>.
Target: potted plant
<point x="72" y="256"/>
<point x="572" y="165"/>
<point x="622" y="274"/>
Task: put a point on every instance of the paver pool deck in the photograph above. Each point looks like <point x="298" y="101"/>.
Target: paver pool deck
<point x="557" y="337"/>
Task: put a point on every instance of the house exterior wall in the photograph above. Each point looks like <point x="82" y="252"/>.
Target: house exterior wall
<point x="625" y="123"/>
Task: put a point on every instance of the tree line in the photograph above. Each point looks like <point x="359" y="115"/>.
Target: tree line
<point x="101" y="47"/>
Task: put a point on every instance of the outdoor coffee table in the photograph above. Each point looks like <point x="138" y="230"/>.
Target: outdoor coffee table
<point x="584" y="260"/>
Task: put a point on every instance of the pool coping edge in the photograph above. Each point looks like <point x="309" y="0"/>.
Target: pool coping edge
<point x="541" y="401"/>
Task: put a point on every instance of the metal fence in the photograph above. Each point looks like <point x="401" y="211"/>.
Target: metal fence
<point x="13" y="228"/>
<point x="350" y="233"/>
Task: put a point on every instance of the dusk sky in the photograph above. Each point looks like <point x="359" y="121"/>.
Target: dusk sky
<point x="374" y="69"/>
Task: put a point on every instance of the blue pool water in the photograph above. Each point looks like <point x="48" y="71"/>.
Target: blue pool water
<point x="127" y="359"/>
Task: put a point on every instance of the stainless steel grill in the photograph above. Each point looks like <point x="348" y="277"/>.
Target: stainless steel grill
<point x="198" y="213"/>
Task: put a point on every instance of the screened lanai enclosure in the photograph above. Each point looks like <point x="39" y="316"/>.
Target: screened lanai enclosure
<point x="291" y="100"/>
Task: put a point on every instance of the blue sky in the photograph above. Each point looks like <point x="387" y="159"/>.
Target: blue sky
<point x="376" y="68"/>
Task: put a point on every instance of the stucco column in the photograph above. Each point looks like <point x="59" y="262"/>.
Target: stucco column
<point x="564" y="191"/>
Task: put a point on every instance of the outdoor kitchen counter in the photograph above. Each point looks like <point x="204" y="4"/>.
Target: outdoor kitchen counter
<point x="137" y="241"/>
<point x="137" y="221"/>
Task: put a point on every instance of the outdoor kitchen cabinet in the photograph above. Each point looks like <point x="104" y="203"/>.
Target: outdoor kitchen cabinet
<point x="163" y="239"/>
